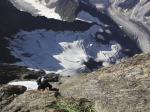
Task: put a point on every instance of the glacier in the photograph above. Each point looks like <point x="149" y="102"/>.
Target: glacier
<point x="62" y="52"/>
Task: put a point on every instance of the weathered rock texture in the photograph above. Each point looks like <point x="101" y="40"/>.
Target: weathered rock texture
<point x="67" y="9"/>
<point x="119" y="88"/>
<point x="12" y="72"/>
<point x="8" y="93"/>
<point x="31" y="101"/>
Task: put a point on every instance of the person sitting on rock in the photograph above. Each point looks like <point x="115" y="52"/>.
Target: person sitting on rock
<point x="43" y="83"/>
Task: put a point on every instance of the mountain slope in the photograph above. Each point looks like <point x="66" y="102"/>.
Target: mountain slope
<point x="122" y="87"/>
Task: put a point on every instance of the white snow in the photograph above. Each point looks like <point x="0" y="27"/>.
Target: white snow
<point x="30" y="85"/>
<point x="40" y="7"/>
<point x="61" y="52"/>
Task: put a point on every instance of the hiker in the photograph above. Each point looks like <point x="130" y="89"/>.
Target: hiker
<point x="43" y="83"/>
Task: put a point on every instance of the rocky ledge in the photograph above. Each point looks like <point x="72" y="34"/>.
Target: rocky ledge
<point x="40" y="101"/>
<point x="124" y="87"/>
<point x="119" y="88"/>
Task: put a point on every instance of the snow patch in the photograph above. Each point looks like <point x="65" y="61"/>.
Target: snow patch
<point x="37" y="7"/>
<point x="30" y="85"/>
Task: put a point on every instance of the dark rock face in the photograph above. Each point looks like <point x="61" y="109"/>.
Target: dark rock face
<point x="67" y="9"/>
<point x="9" y="73"/>
<point x="52" y="77"/>
<point x="32" y="75"/>
<point x="10" y="89"/>
<point x="8" y="93"/>
<point x="148" y="14"/>
<point x="12" y="72"/>
<point x="91" y="64"/>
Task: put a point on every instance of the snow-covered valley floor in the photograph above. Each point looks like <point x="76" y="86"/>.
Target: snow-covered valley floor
<point x="63" y="52"/>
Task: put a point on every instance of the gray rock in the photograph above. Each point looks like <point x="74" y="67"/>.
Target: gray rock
<point x="67" y="9"/>
<point x="8" y="93"/>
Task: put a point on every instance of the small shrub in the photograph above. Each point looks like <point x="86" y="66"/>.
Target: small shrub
<point x="72" y="105"/>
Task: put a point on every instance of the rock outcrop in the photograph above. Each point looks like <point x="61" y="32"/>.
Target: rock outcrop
<point x="32" y="101"/>
<point x="12" y="72"/>
<point x="8" y="93"/>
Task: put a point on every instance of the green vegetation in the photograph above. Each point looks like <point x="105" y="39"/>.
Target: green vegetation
<point x="73" y="105"/>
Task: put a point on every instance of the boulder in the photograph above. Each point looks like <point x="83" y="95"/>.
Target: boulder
<point x="8" y="93"/>
<point x="11" y="89"/>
